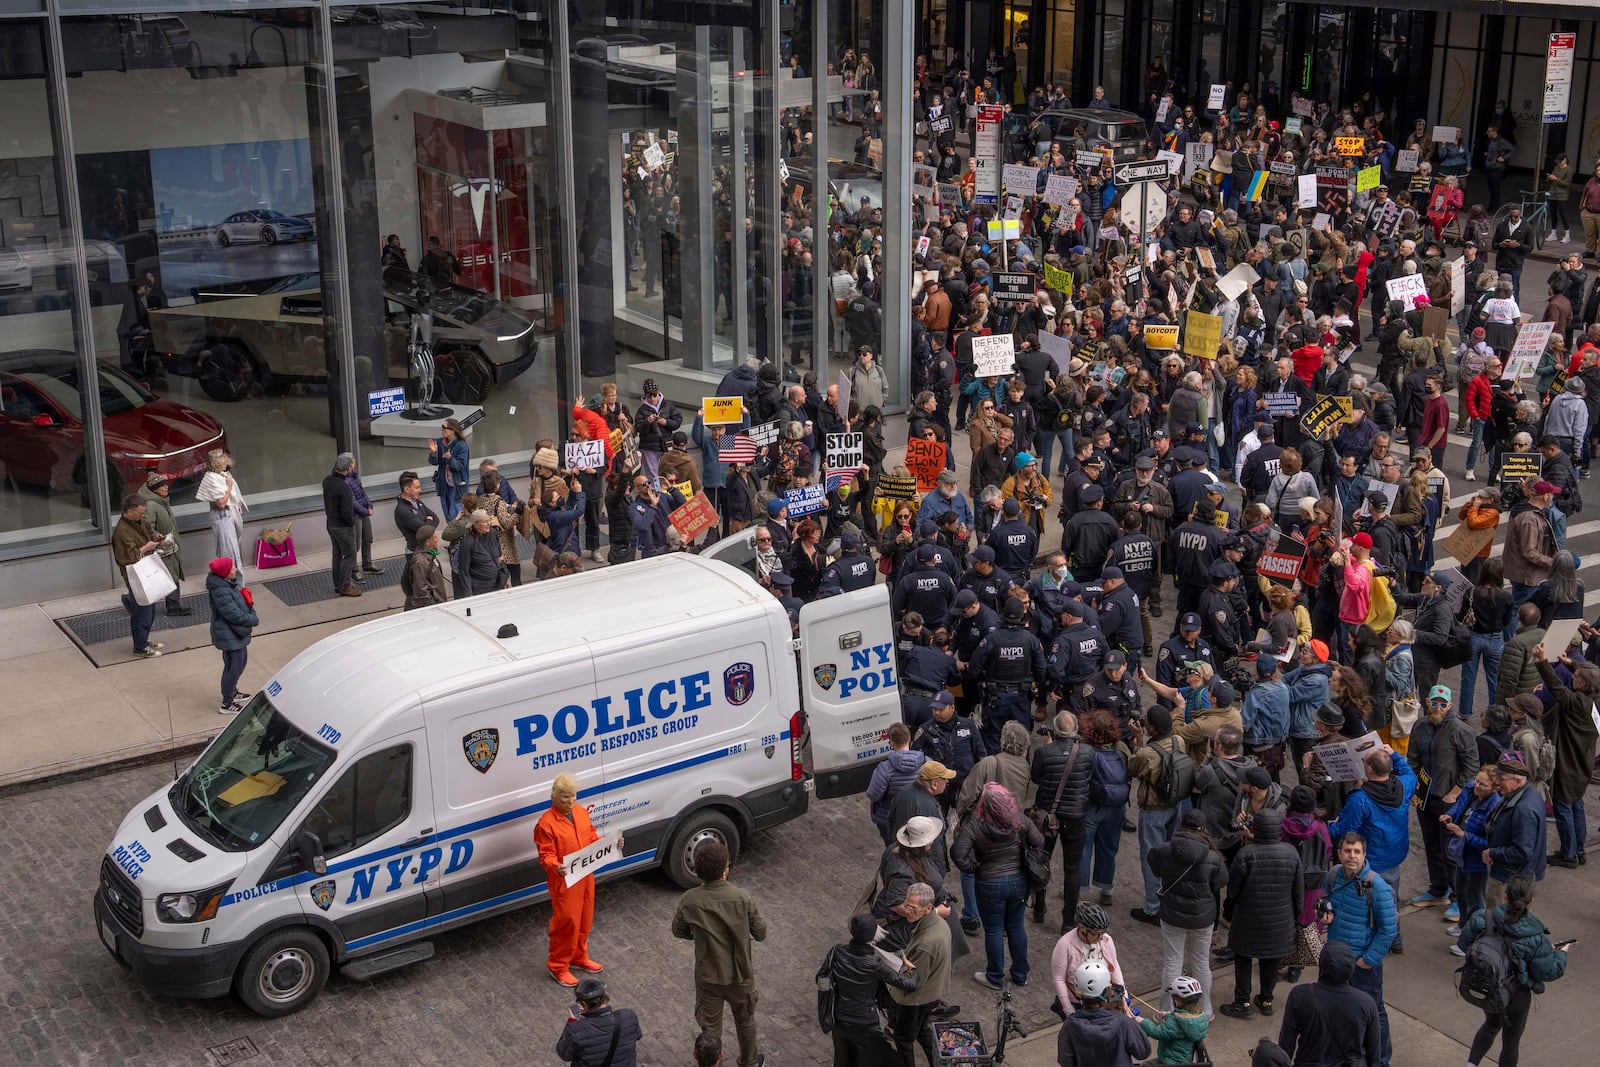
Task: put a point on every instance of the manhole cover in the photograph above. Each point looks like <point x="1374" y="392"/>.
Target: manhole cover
<point x="236" y="1051"/>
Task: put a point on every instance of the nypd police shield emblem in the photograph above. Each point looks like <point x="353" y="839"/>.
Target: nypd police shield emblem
<point x="481" y="747"/>
<point x="825" y="674"/>
<point x="739" y="683"/>
<point x="322" y="894"/>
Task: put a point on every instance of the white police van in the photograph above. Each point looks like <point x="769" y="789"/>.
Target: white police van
<point x="385" y="784"/>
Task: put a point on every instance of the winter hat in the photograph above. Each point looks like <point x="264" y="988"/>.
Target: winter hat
<point x="1025" y="458"/>
<point x="1257" y="778"/>
<point x="546" y="458"/>
<point x="1303" y="800"/>
<point x="1478" y="333"/>
<point x="222" y="566"/>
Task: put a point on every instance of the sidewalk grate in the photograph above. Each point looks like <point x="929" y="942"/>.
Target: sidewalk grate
<point x="99" y="627"/>
<point x="301" y="589"/>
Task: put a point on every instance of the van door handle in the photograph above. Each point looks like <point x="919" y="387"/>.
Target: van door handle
<point x="421" y="836"/>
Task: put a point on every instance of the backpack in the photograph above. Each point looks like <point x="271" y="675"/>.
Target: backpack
<point x="1544" y="756"/>
<point x="1488" y="978"/>
<point x="1176" y="780"/>
<point x="1108" y="778"/>
<point x="1314" y="857"/>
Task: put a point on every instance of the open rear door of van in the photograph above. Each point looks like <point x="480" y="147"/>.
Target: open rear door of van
<point x="848" y="687"/>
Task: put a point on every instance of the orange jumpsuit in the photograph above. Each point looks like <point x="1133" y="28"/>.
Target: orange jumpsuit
<point x="571" y="909"/>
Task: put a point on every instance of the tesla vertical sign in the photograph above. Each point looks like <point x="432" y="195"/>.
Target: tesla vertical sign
<point x="986" y="151"/>
<point x="1558" y="76"/>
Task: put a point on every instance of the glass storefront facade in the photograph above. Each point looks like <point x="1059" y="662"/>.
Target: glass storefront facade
<point x="278" y="229"/>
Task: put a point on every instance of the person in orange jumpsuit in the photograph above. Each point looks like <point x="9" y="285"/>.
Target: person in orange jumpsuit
<point x="561" y="831"/>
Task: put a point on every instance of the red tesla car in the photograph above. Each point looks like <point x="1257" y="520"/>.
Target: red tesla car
<point x="41" y="428"/>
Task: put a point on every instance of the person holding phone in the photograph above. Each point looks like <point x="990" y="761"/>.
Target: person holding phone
<point x="597" y="1034"/>
<point x="1536" y="962"/>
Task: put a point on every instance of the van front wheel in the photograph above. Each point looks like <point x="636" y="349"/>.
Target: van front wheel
<point x="283" y="973"/>
<point x="702" y="826"/>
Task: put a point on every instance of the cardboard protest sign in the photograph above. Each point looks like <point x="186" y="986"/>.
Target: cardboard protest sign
<point x="925" y="459"/>
<point x="1445" y="134"/>
<point x="1350" y="146"/>
<point x="1435" y="321"/>
<point x="1532" y="339"/>
<point x="1367" y="178"/>
<point x="694" y="518"/>
<point x="1057" y="279"/>
<point x="893" y="488"/>
<point x="1202" y="334"/>
<point x="844" y="451"/>
<point x="1059" y="189"/>
<point x="1059" y="349"/>
<point x="1174" y="161"/>
<point x="1292" y="127"/>
<point x="1464" y="543"/>
<point x="589" y="859"/>
<point x="1306" y="195"/>
<point x="722" y="410"/>
<point x="1458" y="286"/>
<point x="584" y="455"/>
<point x="1020" y="179"/>
<point x="1215" y="97"/>
<point x="1303" y="105"/>
<point x="1164" y="106"/>
<point x="1407" y="160"/>
<point x="1238" y="281"/>
<point x="1283" y="174"/>
<point x="1515" y="466"/>
<point x="764" y="434"/>
<point x="993" y="356"/>
<point x="1327" y="411"/>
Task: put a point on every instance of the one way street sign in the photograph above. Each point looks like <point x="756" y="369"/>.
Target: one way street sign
<point x="1154" y="170"/>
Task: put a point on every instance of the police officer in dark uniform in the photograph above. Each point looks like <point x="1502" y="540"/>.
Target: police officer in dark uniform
<point x="1077" y="652"/>
<point x="1119" y="614"/>
<point x="924" y="673"/>
<point x="985" y="579"/>
<point x="1009" y="664"/>
<point x="1112" y="688"/>
<point x="1238" y="596"/>
<point x="913" y="632"/>
<point x="1134" y="554"/>
<point x="925" y="589"/>
<point x="1161" y="451"/>
<point x="1262" y="465"/>
<point x="1088" y="535"/>
<point x="782" y="585"/>
<point x="1217" y="619"/>
<point x="1175" y="652"/>
<point x="951" y="739"/>
<point x="1088" y="475"/>
<point x="1014" y="542"/>
<point x="851" y="571"/>
<point x="1192" y="549"/>
<point x="928" y="534"/>
<point x="969" y="623"/>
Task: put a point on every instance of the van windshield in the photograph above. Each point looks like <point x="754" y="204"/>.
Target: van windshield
<point x="250" y="779"/>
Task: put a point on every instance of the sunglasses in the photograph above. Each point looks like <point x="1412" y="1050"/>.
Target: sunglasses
<point x="1438" y="703"/>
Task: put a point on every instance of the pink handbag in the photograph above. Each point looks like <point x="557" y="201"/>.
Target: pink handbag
<point x="275" y="548"/>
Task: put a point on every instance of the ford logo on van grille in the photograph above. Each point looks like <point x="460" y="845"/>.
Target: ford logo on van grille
<point x="481" y="747"/>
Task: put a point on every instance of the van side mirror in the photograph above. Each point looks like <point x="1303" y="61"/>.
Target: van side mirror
<point x="308" y="849"/>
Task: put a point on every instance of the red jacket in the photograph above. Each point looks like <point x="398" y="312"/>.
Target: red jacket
<point x="1307" y="361"/>
<point x="1480" y="392"/>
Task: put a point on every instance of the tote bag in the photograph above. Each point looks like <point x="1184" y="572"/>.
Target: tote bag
<point x="272" y="553"/>
<point x="149" y="580"/>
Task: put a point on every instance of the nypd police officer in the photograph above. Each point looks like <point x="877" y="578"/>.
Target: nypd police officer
<point x="970" y="622"/>
<point x="1177" y="652"/>
<point x="988" y="581"/>
<point x="1134" y="554"/>
<point x="1112" y="688"/>
<point x="927" y="588"/>
<point x="1217" y="619"/>
<point x="851" y="571"/>
<point x="1195" y="546"/>
<point x="952" y="739"/>
<point x="1010" y="664"/>
<point x="1119" y="615"/>
<point x="925" y="670"/>
<point x="1077" y="652"/>
<point x="1014" y="542"/>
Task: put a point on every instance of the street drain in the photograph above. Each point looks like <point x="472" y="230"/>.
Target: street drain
<point x="236" y="1051"/>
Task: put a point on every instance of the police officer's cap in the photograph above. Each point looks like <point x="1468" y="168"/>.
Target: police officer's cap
<point x="942" y="699"/>
<point x="1194" y="429"/>
<point x="1190" y="621"/>
<point x="1222" y="570"/>
<point x="1012" y="507"/>
<point x="983" y="554"/>
<point x="965" y="599"/>
<point x="1092" y="494"/>
<point x="1265" y="431"/>
<point x="1076" y="609"/>
<point x="850" y="541"/>
<point x="1116" y="659"/>
<point x="1230" y="540"/>
<point x="927" y="553"/>
<point x="1015" y="609"/>
<point x="780" y="579"/>
<point x="1160" y="435"/>
<point x="927" y="528"/>
<point x="1094" y="460"/>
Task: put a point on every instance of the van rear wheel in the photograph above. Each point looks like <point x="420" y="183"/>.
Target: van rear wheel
<point x="283" y="973"/>
<point x="702" y="826"/>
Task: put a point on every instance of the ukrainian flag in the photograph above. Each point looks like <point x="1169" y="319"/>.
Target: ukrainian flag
<point x="1257" y="186"/>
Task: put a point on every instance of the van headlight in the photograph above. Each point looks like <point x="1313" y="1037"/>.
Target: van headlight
<point x="190" y="907"/>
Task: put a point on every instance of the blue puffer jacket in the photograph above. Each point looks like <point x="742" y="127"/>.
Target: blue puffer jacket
<point x="1363" y="913"/>
<point x="1385" y="824"/>
<point x="228" y="606"/>
<point x="895" y="773"/>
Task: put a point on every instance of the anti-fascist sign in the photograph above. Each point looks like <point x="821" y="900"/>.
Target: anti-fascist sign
<point x="1327" y="411"/>
<point x="1282" y="564"/>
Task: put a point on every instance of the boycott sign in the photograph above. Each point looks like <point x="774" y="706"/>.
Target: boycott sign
<point x="1012" y="286"/>
<point x="1280" y="405"/>
<point x="1515" y="466"/>
<point x="584" y="455"/>
<point x="721" y="410"/>
<point x="1282" y="564"/>
<point x="925" y="459"/>
<point x="589" y="859"/>
<point x="1327" y="411"/>
<point x="993" y="356"/>
<point x="892" y="488"/>
<point x="805" y="500"/>
<point x="1161" y="337"/>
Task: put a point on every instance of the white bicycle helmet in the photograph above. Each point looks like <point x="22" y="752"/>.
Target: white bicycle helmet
<point x="1092" y="979"/>
<point x="1184" y="987"/>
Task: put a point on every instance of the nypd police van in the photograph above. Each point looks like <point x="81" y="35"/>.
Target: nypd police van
<point x="385" y="784"/>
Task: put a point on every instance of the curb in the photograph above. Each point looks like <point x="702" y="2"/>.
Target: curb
<point x="36" y="778"/>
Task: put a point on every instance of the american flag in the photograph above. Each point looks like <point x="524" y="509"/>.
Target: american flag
<point x="837" y="476"/>
<point x="736" y="448"/>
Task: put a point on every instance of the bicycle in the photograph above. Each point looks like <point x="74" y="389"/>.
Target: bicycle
<point x="1535" y="213"/>
<point x="1008" y="1022"/>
